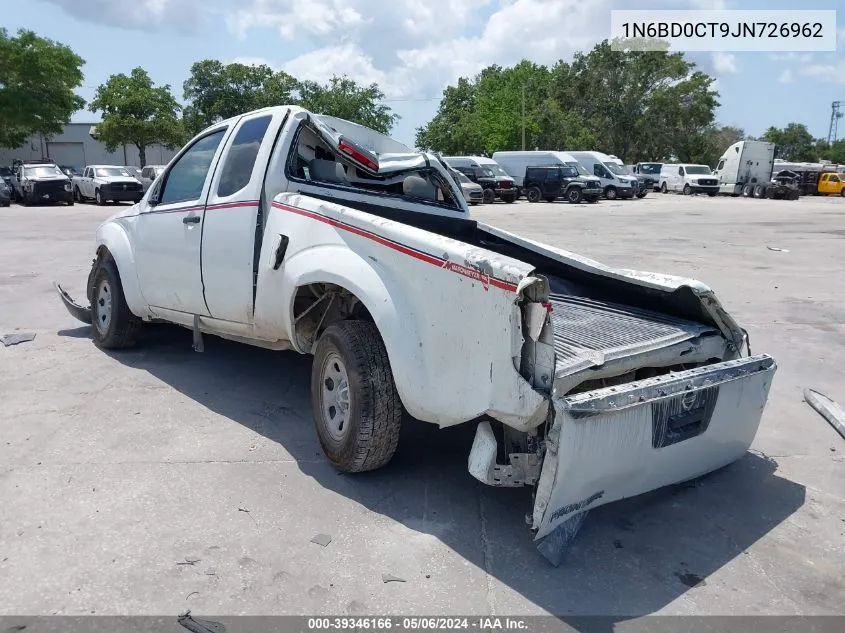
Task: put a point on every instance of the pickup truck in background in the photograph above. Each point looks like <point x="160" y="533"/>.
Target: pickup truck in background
<point x="42" y="182"/>
<point x="286" y="229"/>
<point x="107" y="183"/>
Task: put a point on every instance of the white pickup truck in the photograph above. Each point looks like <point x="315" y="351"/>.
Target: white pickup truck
<point x="290" y="230"/>
<point x="104" y="183"/>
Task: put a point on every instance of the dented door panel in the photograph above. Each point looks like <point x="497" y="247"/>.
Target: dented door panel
<point x="618" y="442"/>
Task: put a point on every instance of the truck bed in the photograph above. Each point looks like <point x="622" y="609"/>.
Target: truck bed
<point x="590" y="332"/>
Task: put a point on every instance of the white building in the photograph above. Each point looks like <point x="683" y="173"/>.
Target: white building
<point x="76" y="147"/>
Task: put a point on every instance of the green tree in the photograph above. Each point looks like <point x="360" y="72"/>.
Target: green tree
<point x="219" y="91"/>
<point x="37" y="80"/>
<point x="344" y="98"/>
<point x="136" y="112"/>
<point x="793" y="143"/>
<point x="453" y="129"/>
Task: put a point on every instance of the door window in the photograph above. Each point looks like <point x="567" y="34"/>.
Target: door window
<point x="186" y="178"/>
<point x="680" y="171"/>
<point x="720" y="165"/>
<point x="834" y="179"/>
<point x="551" y="174"/>
<point x="240" y="159"/>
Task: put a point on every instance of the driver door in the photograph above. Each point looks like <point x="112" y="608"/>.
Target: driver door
<point x="168" y="230"/>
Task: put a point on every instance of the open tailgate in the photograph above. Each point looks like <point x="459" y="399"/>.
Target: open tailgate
<point x="622" y="441"/>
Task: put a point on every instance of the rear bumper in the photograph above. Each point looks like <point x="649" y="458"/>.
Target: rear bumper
<point x="618" y="442"/>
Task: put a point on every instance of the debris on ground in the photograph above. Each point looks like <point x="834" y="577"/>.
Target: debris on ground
<point x="322" y="539"/>
<point x="193" y="593"/>
<point x="246" y="510"/>
<point x="386" y="578"/>
<point x="189" y="561"/>
<point x="196" y="625"/>
<point x="827" y="408"/>
<point x="777" y="249"/>
<point x="17" y="337"/>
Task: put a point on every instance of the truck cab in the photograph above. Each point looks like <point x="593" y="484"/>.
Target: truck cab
<point x="832" y="183"/>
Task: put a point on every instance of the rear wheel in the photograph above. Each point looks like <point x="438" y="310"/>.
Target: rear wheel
<point x="759" y="191"/>
<point x="746" y="191"/>
<point x="574" y="195"/>
<point x="489" y="196"/>
<point x="534" y="194"/>
<point x="610" y="192"/>
<point x="77" y="195"/>
<point x="113" y="325"/>
<point x="356" y="408"/>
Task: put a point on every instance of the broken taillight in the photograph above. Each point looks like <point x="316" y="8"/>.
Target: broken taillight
<point x="358" y="154"/>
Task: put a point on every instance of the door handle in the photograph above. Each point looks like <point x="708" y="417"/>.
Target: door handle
<point x="191" y="219"/>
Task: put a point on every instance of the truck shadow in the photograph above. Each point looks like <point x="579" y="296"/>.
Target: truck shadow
<point x="631" y="558"/>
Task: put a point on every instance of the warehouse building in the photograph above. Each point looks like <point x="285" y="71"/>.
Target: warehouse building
<point x="76" y="147"/>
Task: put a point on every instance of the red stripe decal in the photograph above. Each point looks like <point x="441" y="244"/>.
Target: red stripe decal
<point x="454" y="267"/>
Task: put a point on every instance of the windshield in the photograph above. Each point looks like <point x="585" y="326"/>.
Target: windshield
<point x="42" y="171"/>
<point x="579" y="168"/>
<point x="650" y="168"/>
<point x="627" y="169"/>
<point x="569" y="172"/>
<point x="134" y="171"/>
<point x="485" y="172"/>
<point x="105" y="172"/>
<point x="614" y="169"/>
<point x="698" y="169"/>
<point x="498" y="171"/>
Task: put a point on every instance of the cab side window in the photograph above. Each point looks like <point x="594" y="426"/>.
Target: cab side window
<point x="720" y="165"/>
<point x="186" y="178"/>
<point x="680" y="171"/>
<point x="834" y="179"/>
<point x="240" y="159"/>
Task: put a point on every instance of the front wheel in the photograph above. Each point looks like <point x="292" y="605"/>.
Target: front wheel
<point x="642" y="194"/>
<point x="574" y="195"/>
<point x="759" y="191"/>
<point x="77" y="195"/>
<point x="356" y="408"/>
<point x="98" y="198"/>
<point x="687" y="190"/>
<point x="534" y="194"/>
<point x="610" y="193"/>
<point x="489" y="196"/>
<point x="664" y="188"/>
<point x="114" y="326"/>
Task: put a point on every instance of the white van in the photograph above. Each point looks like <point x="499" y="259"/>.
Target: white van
<point x="496" y="182"/>
<point x="687" y="179"/>
<point x="614" y="180"/>
<point x="515" y="163"/>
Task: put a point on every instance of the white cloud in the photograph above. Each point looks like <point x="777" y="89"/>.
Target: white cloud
<point x="831" y="73"/>
<point x="724" y="63"/>
<point x="147" y="15"/>
<point x="786" y="77"/>
<point x="801" y="58"/>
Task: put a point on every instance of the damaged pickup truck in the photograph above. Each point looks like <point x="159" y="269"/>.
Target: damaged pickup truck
<point x="291" y="230"/>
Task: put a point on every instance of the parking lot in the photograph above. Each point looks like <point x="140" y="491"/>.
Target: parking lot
<point x="158" y="479"/>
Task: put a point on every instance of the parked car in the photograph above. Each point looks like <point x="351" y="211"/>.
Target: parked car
<point x="105" y="183"/>
<point x="644" y="183"/>
<point x="43" y="182"/>
<point x="325" y="237"/>
<point x="559" y="181"/>
<point x="496" y="182"/>
<point x="473" y="192"/>
<point x="7" y="176"/>
<point x="615" y="182"/>
<point x="688" y="179"/>
<point x="515" y="163"/>
<point x="832" y="183"/>
<point x="149" y="174"/>
<point x="5" y="194"/>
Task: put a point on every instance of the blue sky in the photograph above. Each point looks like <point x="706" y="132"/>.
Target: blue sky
<point x="414" y="48"/>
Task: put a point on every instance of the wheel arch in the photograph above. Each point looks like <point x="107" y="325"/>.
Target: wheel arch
<point x="113" y="242"/>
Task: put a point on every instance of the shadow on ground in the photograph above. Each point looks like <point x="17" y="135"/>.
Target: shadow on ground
<point x="630" y="558"/>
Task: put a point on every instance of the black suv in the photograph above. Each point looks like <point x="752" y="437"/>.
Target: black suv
<point x="494" y="185"/>
<point x="559" y="181"/>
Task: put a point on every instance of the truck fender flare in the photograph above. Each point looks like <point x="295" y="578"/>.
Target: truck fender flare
<point x="384" y="298"/>
<point x="113" y="238"/>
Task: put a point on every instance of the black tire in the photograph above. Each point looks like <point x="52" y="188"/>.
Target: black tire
<point x="368" y="433"/>
<point x="664" y="188"/>
<point x="120" y="329"/>
<point x="534" y="194"/>
<point x="642" y="194"/>
<point x="77" y="195"/>
<point x="574" y="195"/>
<point x="489" y="196"/>
<point x="99" y="198"/>
<point x="746" y="191"/>
<point x="509" y="199"/>
<point x="841" y="193"/>
<point x="687" y="190"/>
<point x="610" y="192"/>
<point x="759" y="191"/>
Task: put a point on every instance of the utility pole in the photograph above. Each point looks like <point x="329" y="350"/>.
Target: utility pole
<point x="523" y="117"/>
<point x="835" y="115"/>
